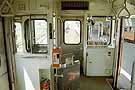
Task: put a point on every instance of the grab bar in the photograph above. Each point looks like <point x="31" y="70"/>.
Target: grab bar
<point x="124" y="8"/>
<point x="113" y="10"/>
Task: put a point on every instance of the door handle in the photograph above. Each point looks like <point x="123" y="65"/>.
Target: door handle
<point x="86" y="54"/>
<point x="0" y="61"/>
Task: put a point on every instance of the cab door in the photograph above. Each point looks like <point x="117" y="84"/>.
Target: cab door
<point x="71" y="38"/>
<point x="70" y="41"/>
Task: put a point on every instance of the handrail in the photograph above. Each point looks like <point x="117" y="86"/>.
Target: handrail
<point x="113" y="10"/>
<point x="9" y="6"/>
<point x="124" y="8"/>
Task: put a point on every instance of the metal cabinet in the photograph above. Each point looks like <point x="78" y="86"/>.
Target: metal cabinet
<point x="99" y="62"/>
<point x="71" y="79"/>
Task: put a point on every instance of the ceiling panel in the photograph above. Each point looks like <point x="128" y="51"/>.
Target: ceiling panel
<point x="0" y="2"/>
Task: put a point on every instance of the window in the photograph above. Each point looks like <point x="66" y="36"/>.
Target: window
<point x="99" y="31"/>
<point x="129" y="28"/>
<point x="40" y="31"/>
<point x="18" y="37"/>
<point x="72" y="31"/>
<point x="130" y="24"/>
<point x="36" y="36"/>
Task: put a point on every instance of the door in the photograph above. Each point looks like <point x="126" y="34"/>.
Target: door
<point x="71" y="38"/>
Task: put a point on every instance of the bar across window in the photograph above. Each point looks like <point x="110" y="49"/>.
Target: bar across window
<point x="72" y="31"/>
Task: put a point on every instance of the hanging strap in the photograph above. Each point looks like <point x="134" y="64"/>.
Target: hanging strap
<point x="124" y="8"/>
<point x="113" y="10"/>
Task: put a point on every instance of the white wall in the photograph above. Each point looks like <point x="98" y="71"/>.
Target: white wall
<point x="28" y="66"/>
<point x="99" y="62"/>
<point x="127" y="62"/>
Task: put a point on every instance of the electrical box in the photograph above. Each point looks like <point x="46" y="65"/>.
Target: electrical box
<point x="56" y="58"/>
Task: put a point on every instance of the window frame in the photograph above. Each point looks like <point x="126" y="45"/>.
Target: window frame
<point x="110" y="39"/>
<point x="64" y="31"/>
<point x="25" y="37"/>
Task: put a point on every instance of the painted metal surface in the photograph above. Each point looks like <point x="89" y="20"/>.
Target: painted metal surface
<point x="28" y="70"/>
<point x="128" y="58"/>
<point x="71" y="77"/>
<point x="4" y="84"/>
<point x="99" y="62"/>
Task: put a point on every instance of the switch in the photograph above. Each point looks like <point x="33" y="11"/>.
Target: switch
<point x="109" y="53"/>
<point x="58" y="56"/>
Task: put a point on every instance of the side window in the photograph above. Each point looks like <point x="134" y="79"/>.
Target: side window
<point x="18" y="36"/>
<point x="129" y="28"/>
<point x="72" y="29"/>
<point x="40" y="30"/>
<point x="36" y="36"/>
<point x="99" y="31"/>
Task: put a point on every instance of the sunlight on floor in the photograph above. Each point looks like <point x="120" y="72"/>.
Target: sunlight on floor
<point x="28" y="82"/>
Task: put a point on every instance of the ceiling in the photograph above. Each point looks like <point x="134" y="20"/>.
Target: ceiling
<point x="129" y="1"/>
<point x="117" y="5"/>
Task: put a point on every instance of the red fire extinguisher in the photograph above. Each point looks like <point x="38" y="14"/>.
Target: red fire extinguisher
<point x="45" y="84"/>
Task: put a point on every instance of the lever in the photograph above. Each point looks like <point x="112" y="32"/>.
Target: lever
<point x="59" y="76"/>
<point x="90" y="62"/>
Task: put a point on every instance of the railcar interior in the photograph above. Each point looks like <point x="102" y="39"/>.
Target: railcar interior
<point x="67" y="44"/>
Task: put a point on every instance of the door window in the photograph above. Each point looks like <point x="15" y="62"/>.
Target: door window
<point x="72" y="29"/>
<point x="99" y="31"/>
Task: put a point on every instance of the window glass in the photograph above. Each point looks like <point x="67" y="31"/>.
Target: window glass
<point x="129" y="28"/>
<point x="36" y="36"/>
<point x="130" y="24"/>
<point x="40" y="31"/>
<point x="18" y="37"/>
<point x="72" y="32"/>
<point x="99" y="31"/>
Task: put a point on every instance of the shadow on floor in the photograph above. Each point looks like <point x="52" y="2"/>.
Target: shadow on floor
<point x="94" y="83"/>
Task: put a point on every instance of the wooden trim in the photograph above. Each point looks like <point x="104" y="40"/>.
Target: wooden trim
<point x="129" y="36"/>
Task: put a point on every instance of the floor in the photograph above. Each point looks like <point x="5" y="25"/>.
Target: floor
<point x="94" y="83"/>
